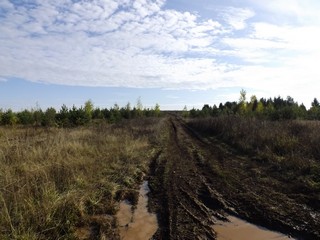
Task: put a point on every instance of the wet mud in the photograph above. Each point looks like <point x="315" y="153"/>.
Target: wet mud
<point x="197" y="182"/>
<point x="136" y="222"/>
<point x="237" y="229"/>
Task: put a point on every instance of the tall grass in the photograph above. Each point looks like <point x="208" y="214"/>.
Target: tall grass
<point x="290" y="149"/>
<point x="55" y="181"/>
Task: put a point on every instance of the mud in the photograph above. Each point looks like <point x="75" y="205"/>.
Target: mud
<point x="136" y="222"/>
<point x="237" y="229"/>
<point x="196" y="182"/>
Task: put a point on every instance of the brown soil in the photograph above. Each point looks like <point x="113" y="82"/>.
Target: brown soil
<point x="137" y="223"/>
<point x="196" y="182"/>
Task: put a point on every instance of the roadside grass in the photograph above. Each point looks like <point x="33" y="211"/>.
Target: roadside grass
<point x="55" y="181"/>
<point x="289" y="150"/>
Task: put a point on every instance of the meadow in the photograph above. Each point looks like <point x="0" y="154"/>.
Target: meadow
<point x="64" y="183"/>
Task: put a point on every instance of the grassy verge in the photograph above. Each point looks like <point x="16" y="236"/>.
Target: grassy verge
<point x="64" y="183"/>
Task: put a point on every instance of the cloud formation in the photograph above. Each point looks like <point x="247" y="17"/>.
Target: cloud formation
<point x="143" y="44"/>
<point x="236" y="17"/>
<point x="102" y="43"/>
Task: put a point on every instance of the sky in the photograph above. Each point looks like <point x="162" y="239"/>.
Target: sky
<point x="173" y="52"/>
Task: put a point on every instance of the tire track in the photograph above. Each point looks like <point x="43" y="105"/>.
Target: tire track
<point x="200" y="181"/>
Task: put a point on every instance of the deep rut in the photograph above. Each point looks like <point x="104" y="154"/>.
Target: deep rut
<point x="185" y="193"/>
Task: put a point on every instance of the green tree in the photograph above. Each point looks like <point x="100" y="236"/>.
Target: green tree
<point x="242" y="102"/>
<point x="88" y="109"/>
<point x="215" y="111"/>
<point x="185" y="112"/>
<point x="38" y="117"/>
<point x="126" y="111"/>
<point x="25" y="117"/>
<point x="97" y="114"/>
<point x="253" y="103"/>
<point x="9" y="118"/>
<point x="49" y="118"/>
<point x="260" y="109"/>
<point x="106" y="113"/>
<point x="315" y="103"/>
<point x="115" y="115"/>
<point x="270" y="111"/>
<point x="78" y="116"/>
<point x="139" y="107"/>
<point x="194" y="113"/>
<point x="302" y="112"/>
<point x="243" y="97"/>
<point x="157" y="111"/>
<point x="314" y="111"/>
<point x="63" y="116"/>
<point x="206" y="110"/>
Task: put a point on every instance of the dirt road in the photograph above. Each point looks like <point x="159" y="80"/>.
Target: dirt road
<point x="197" y="181"/>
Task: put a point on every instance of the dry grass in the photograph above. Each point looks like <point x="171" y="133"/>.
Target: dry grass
<point x="56" y="181"/>
<point x="291" y="149"/>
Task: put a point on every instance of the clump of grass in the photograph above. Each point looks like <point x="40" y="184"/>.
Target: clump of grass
<point x="53" y="181"/>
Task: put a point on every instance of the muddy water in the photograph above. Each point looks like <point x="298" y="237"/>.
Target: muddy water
<point x="238" y="229"/>
<point x="138" y="224"/>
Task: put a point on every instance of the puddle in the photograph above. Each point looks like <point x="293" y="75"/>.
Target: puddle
<point x="238" y="229"/>
<point x="138" y="224"/>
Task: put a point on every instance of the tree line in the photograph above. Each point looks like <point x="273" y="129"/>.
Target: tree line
<point x="71" y="117"/>
<point x="275" y="108"/>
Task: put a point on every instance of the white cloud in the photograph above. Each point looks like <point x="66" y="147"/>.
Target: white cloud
<point x="6" y="5"/>
<point x="137" y="46"/>
<point x="237" y="17"/>
<point x="287" y="11"/>
<point x="141" y="44"/>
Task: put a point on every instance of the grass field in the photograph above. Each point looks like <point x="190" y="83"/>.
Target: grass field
<point x="57" y="183"/>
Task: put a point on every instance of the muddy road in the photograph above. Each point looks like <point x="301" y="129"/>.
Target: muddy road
<point x="197" y="182"/>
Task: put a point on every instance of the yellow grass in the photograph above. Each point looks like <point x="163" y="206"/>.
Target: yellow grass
<point x="53" y="181"/>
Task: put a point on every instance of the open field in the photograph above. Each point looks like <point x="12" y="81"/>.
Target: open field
<point x="67" y="183"/>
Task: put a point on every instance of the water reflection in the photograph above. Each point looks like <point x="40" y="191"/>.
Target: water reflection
<point x="138" y="224"/>
<point x="238" y="229"/>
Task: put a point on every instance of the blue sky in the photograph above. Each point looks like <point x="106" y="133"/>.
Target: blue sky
<point x="174" y="52"/>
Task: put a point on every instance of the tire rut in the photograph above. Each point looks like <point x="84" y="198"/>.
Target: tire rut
<point x="182" y="186"/>
<point x="196" y="182"/>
